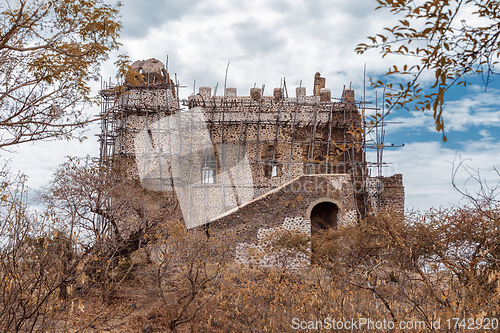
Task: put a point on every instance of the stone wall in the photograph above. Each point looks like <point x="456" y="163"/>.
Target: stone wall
<point x="294" y="199"/>
<point x="285" y="137"/>
<point x="386" y="194"/>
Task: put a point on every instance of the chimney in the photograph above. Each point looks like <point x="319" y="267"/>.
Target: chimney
<point x="319" y="83"/>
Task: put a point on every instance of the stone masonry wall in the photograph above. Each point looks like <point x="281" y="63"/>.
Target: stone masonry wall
<point x="300" y="135"/>
<point x="288" y="207"/>
<point x="386" y="194"/>
<point x="293" y="199"/>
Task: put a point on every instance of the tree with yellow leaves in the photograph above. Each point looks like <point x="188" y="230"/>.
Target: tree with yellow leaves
<point x="49" y="51"/>
<point x="449" y="40"/>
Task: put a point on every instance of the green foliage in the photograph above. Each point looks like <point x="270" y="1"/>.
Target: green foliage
<point x="443" y="43"/>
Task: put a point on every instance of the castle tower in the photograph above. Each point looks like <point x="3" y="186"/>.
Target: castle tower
<point x="220" y="156"/>
<point x="285" y="137"/>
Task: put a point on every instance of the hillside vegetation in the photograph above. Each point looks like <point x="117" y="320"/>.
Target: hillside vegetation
<point x="103" y="258"/>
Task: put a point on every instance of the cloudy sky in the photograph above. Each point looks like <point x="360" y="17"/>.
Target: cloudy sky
<point x="268" y="40"/>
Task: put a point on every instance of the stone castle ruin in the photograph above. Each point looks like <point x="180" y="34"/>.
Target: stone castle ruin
<point x="251" y="163"/>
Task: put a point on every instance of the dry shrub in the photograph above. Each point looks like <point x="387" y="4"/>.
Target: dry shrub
<point x="437" y="265"/>
<point x="190" y="269"/>
<point x="37" y="263"/>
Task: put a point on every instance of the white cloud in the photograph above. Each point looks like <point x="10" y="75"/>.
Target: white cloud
<point x="427" y="169"/>
<point x="475" y="108"/>
<point x="38" y="161"/>
<point x="485" y="134"/>
<point x="266" y="40"/>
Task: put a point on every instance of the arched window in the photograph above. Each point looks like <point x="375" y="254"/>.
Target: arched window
<point x="209" y="170"/>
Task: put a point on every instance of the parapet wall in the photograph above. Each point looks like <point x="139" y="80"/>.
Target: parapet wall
<point x="293" y="199"/>
<point x="255" y="107"/>
<point x="387" y="194"/>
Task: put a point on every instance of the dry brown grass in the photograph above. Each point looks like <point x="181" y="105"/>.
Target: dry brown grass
<point x="382" y="269"/>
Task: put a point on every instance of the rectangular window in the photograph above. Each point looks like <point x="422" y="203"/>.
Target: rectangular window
<point x="208" y="176"/>
<point x="209" y="170"/>
<point x="274" y="173"/>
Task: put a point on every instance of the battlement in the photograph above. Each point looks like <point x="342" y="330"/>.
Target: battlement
<point x="204" y="97"/>
<point x="301" y="110"/>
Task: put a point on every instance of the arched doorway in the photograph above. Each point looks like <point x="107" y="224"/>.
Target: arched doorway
<point x="324" y="215"/>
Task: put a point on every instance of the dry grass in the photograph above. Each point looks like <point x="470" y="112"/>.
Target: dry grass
<point x="382" y="270"/>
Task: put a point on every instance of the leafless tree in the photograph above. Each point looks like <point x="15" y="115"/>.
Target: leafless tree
<point x="191" y="267"/>
<point x="480" y="192"/>
<point x="108" y="209"/>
